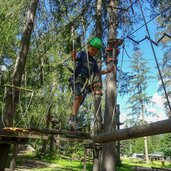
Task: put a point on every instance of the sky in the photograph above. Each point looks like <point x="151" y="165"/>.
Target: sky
<point x="152" y="84"/>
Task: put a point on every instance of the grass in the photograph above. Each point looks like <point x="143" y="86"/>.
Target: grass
<point x="49" y="164"/>
<point x="135" y="162"/>
<point x="32" y="163"/>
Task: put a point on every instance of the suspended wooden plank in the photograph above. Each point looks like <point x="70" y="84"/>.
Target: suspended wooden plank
<point x="12" y="140"/>
<point x="70" y="134"/>
<point x="22" y="133"/>
<point x="14" y="129"/>
<point x="33" y="132"/>
<point x="155" y="128"/>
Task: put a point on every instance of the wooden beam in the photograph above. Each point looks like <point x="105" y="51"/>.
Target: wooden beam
<point x="70" y="134"/>
<point x="12" y="140"/>
<point x="92" y="145"/>
<point x="33" y="136"/>
<point x="70" y="139"/>
<point x="155" y="128"/>
<point x="21" y="133"/>
<point x="33" y="132"/>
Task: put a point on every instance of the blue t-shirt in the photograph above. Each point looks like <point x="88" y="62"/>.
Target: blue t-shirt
<point x="82" y="65"/>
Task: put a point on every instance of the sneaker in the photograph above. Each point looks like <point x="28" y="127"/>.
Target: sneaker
<point x="72" y="123"/>
<point x="79" y="127"/>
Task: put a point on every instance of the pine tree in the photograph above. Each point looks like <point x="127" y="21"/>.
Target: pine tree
<point x="164" y="26"/>
<point x="139" y="99"/>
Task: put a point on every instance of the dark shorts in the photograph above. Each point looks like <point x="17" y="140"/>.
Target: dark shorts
<point x="79" y="86"/>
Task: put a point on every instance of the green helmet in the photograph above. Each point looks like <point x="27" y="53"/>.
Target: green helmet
<point x="96" y="42"/>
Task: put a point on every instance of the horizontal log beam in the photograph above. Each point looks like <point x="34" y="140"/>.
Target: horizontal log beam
<point x="69" y="134"/>
<point x="70" y="139"/>
<point x="45" y="131"/>
<point x="154" y="128"/>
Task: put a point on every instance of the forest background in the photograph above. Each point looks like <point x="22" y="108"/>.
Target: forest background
<point x="51" y="42"/>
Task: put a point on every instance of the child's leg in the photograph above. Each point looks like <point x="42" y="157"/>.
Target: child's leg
<point x="76" y="104"/>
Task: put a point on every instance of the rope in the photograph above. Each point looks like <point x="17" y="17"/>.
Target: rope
<point x="3" y="104"/>
<point x="165" y="10"/>
<point x="125" y="10"/>
<point x="148" y="38"/>
<point x="123" y="50"/>
<point x="66" y="28"/>
<point x="49" y="104"/>
<point x="155" y="57"/>
<point x="73" y="48"/>
<point x="90" y="81"/>
<point x="26" y="112"/>
<point x="95" y="119"/>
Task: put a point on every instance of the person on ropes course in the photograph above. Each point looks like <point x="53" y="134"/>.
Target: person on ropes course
<point x="86" y="66"/>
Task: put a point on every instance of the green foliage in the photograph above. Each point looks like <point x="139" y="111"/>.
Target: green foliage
<point x="164" y="26"/>
<point x="139" y="99"/>
<point x="166" y="144"/>
<point x="57" y="163"/>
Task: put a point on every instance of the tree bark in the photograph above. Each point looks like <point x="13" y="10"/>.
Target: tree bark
<point x="109" y="149"/>
<point x="14" y="157"/>
<point x="145" y="138"/>
<point x="97" y="98"/>
<point x="155" y="128"/>
<point x="12" y="95"/>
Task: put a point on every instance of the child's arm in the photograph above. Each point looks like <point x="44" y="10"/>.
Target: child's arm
<point x="74" y="55"/>
<point x="107" y="71"/>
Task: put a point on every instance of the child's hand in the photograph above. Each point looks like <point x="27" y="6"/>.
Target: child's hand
<point x="112" y="68"/>
<point x="73" y="54"/>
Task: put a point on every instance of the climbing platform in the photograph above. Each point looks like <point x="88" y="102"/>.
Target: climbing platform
<point x="12" y="135"/>
<point x="6" y="139"/>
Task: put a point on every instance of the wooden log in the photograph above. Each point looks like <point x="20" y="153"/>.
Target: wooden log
<point x="12" y="140"/>
<point x="16" y="135"/>
<point x="70" y="134"/>
<point x="14" y="129"/>
<point x="33" y="132"/>
<point x="70" y="139"/>
<point x="155" y="128"/>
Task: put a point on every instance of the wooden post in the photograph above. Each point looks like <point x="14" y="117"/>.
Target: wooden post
<point x="4" y="149"/>
<point x="118" y="159"/>
<point x="14" y="157"/>
<point x="85" y="158"/>
<point x="155" y="128"/>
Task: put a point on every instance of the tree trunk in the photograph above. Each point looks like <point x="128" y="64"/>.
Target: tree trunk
<point x="118" y="159"/>
<point x="97" y="98"/>
<point x="109" y="149"/>
<point x="145" y="138"/>
<point x="146" y="150"/>
<point x="4" y="150"/>
<point x="14" y="157"/>
<point x="12" y="96"/>
<point x="48" y="119"/>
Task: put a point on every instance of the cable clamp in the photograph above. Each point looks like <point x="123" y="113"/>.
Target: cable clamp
<point x="109" y="59"/>
<point x="98" y="92"/>
<point x="109" y="49"/>
<point x="97" y="84"/>
<point x="115" y="42"/>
